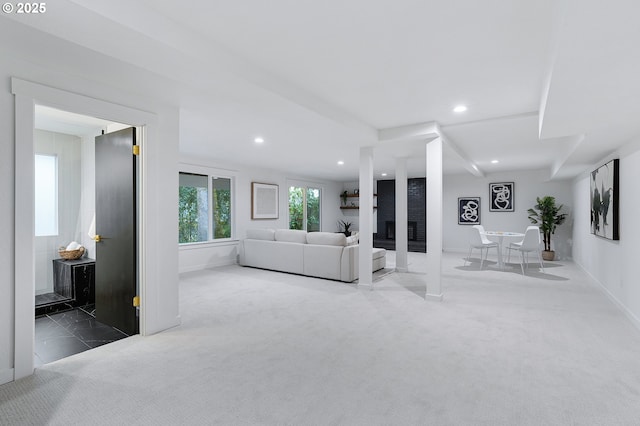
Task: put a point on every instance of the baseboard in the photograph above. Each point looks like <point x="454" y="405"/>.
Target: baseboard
<point x="621" y="306"/>
<point x="434" y="297"/>
<point x="164" y="327"/>
<point x="456" y="250"/>
<point x="6" y="376"/>
<point x="365" y="286"/>
<point x="200" y="267"/>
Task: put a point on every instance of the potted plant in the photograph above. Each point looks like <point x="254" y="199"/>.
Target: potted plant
<point x="344" y="227"/>
<point x="546" y="214"/>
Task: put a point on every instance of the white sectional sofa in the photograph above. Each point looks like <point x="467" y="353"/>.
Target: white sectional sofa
<point x="316" y="254"/>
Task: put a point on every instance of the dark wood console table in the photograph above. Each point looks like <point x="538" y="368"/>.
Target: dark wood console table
<point x="75" y="279"/>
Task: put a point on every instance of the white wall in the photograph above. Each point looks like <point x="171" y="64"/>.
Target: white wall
<point x="67" y="150"/>
<point x="353" y="216"/>
<point x="207" y="255"/>
<point x="8" y="175"/>
<point x="96" y="77"/>
<point x="613" y="263"/>
<point x="350" y="216"/>
<point x="527" y="186"/>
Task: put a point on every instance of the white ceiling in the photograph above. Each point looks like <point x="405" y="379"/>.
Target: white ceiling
<point x="319" y="80"/>
<point x="55" y="120"/>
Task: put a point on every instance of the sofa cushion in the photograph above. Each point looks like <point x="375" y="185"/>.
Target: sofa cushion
<point x="291" y="236"/>
<point x="327" y="239"/>
<point x="261" y="234"/>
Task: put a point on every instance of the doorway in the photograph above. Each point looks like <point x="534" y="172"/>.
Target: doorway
<point x="26" y="96"/>
<point x="74" y="162"/>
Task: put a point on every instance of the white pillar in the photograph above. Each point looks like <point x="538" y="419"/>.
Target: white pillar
<point x="365" y="263"/>
<point x="24" y="238"/>
<point x="402" y="216"/>
<point x="434" y="219"/>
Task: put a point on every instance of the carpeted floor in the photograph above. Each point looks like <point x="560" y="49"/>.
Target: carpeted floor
<point x="260" y="347"/>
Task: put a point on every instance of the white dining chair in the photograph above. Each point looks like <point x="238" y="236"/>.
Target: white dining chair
<point x="530" y="243"/>
<point x="479" y="241"/>
<point x="480" y="228"/>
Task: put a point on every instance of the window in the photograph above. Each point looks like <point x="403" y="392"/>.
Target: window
<point x="46" y="195"/>
<point x="304" y="208"/>
<point x="221" y="207"/>
<point x="193" y="219"/>
<point x="203" y="217"/>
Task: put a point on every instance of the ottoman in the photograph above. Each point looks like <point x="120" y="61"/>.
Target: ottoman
<point x="379" y="258"/>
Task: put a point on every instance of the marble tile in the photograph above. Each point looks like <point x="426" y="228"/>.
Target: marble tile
<point x="55" y="348"/>
<point x="63" y="334"/>
<point x="47" y="328"/>
<point x="37" y="361"/>
<point x="99" y="333"/>
<point x="70" y="319"/>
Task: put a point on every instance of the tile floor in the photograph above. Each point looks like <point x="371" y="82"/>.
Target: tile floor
<point x="63" y="334"/>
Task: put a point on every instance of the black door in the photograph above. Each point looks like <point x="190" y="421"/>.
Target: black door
<point x="116" y="252"/>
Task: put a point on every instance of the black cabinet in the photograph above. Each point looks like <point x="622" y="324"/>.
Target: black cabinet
<point x="75" y="279"/>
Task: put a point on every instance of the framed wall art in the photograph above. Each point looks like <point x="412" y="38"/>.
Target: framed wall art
<point x="264" y="201"/>
<point x="501" y="197"/>
<point x="605" y="201"/>
<point x="469" y="211"/>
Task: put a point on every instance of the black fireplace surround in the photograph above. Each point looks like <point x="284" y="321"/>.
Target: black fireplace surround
<point x="390" y="230"/>
<point x="416" y="212"/>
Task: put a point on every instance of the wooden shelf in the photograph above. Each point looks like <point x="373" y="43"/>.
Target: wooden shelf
<point x="354" y="207"/>
<point x="357" y="195"/>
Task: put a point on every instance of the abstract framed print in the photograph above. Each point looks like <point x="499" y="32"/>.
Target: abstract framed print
<point x="501" y="197"/>
<point x="469" y="211"/>
<point x="264" y="201"/>
<point x="605" y="200"/>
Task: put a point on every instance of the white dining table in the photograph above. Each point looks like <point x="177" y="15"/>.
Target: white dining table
<point x="500" y="235"/>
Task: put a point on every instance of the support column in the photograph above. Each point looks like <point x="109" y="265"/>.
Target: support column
<point x="434" y="219"/>
<point x="402" y="216"/>
<point x="365" y="262"/>
<point x="24" y="238"/>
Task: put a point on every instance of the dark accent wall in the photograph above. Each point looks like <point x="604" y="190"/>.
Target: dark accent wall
<point x="417" y="214"/>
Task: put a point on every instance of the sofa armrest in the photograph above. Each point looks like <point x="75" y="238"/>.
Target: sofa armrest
<point x="349" y="264"/>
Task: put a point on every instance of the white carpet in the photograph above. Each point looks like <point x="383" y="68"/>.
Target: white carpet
<point x="260" y="347"/>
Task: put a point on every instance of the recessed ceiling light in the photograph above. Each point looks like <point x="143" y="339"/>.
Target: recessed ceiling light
<point x="494" y="161"/>
<point x="258" y="140"/>
<point x="460" y="108"/>
<point x="383" y="174"/>
<point x="340" y="163"/>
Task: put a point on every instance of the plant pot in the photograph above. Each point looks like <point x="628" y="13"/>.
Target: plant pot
<point x="548" y="255"/>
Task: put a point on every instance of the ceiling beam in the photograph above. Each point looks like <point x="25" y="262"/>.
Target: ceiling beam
<point x="570" y="143"/>
<point x="410" y="132"/>
<point x="462" y="157"/>
<point x="200" y="60"/>
<point x="492" y="119"/>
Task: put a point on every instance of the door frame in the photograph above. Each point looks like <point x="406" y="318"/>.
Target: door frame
<point x="27" y="95"/>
